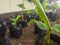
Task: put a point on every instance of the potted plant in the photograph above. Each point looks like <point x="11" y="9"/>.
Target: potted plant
<point x="23" y="21"/>
<point x="3" y="37"/>
<point x="30" y="14"/>
<point x="44" y="23"/>
<point x="15" y="30"/>
<point x="2" y="27"/>
<point x="26" y="16"/>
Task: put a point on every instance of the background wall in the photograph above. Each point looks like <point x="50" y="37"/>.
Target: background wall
<point x="7" y="6"/>
<point x="4" y="6"/>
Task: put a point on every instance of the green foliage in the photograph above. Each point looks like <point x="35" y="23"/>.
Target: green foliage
<point x="44" y="4"/>
<point x="18" y="17"/>
<point x="41" y="25"/>
<point x="41" y="13"/>
<point x="14" y="20"/>
<point x="21" y="6"/>
<point x="45" y="38"/>
<point x="28" y="11"/>
<point x="46" y="24"/>
<point x="31" y="21"/>
<point x="54" y="6"/>
<point x="33" y="12"/>
<point x="56" y="28"/>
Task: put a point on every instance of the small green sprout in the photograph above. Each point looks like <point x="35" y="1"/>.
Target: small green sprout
<point x="14" y="20"/>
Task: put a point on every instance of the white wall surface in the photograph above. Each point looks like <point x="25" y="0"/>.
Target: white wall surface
<point x="11" y="5"/>
<point x="4" y="6"/>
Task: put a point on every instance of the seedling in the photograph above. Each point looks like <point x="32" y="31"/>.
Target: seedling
<point x="45" y="25"/>
<point x="23" y="7"/>
<point x="28" y="11"/>
<point x="14" y="20"/>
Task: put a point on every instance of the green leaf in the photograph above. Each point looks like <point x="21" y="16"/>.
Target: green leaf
<point x="18" y="17"/>
<point x="13" y="23"/>
<point x="41" y="25"/>
<point x="46" y="38"/>
<point x="33" y="12"/>
<point x="44" y="4"/>
<point x="12" y="19"/>
<point x="40" y="11"/>
<point x="31" y="21"/>
<point x="56" y="28"/>
<point x="21" y="6"/>
<point x="28" y="11"/>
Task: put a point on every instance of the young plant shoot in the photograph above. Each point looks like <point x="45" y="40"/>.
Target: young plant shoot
<point x="14" y="20"/>
<point x="23" y="7"/>
<point x="45" y="25"/>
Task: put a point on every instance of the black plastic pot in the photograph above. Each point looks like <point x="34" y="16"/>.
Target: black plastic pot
<point x="2" y="28"/>
<point x="5" y="41"/>
<point x="52" y="37"/>
<point x="15" y="31"/>
<point x="28" y="17"/>
<point x="55" y="38"/>
<point x="8" y="22"/>
<point x="51" y="16"/>
<point x="37" y="18"/>
<point x="23" y="23"/>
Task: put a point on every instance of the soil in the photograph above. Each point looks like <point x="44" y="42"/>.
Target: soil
<point x="41" y="42"/>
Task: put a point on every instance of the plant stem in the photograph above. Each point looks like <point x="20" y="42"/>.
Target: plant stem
<point x="23" y="12"/>
<point x="22" y="15"/>
<point x="48" y="33"/>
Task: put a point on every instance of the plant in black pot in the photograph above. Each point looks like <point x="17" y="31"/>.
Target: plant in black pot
<point x="15" y="30"/>
<point x="33" y="14"/>
<point x="2" y="27"/>
<point x="44" y="24"/>
<point x="29" y="14"/>
<point x="3" y="37"/>
<point x="8" y="21"/>
<point x="23" y="21"/>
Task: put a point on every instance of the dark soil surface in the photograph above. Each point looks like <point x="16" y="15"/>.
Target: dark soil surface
<point x="41" y="42"/>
